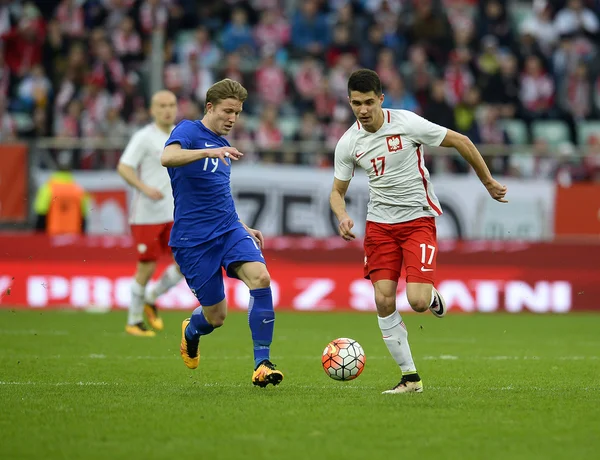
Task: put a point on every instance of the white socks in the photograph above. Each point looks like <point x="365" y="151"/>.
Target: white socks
<point x="170" y="277"/>
<point x="395" y="337"/>
<point x="136" y="306"/>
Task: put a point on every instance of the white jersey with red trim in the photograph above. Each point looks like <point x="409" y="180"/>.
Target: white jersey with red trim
<point x="143" y="154"/>
<point x="399" y="185"/>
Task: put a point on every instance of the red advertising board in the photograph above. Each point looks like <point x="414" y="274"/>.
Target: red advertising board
<point x="13" y="183"/>
<point x="302" y="287"/>
<point x="577" y="210"/>
<point x="308" y="274"/>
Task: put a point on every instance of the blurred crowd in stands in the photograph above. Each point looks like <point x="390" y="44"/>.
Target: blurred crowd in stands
<point x="502" y="72"/>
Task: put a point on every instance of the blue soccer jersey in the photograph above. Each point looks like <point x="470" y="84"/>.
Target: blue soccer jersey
<point x="204" y="207"/>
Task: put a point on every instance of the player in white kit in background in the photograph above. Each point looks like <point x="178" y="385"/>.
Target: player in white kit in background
<point x="151" y="215"/>
<point x="402" y="208"/>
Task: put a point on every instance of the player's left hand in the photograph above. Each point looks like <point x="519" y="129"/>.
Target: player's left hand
<point x="258" y="237"/>
<point x="497" y="191"/>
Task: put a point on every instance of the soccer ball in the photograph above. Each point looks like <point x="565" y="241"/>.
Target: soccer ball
<point x="343" y="359"/>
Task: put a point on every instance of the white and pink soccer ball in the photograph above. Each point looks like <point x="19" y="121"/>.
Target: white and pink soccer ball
<point x="343" y="359"/>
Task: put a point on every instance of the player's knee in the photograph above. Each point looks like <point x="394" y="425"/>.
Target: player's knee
<point x="261" y="280"/>
<point x="386" y="304"/>
<point x="419" y="304"/>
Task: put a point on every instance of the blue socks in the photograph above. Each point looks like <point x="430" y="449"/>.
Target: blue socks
<point x="261" y="319"/>
<point x="198" y="325"/>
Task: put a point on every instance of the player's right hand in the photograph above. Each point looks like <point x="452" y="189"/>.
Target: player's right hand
<point x="153" y="193"/>
<point x="497" y="191"/>
<point x="225" y="152"/>
<point x="345" y="229"/>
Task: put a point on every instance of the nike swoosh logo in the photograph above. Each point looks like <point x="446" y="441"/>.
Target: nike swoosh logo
<point x="358" y="155"/>
<point x="423" y="269"/>
<point x="267" y="321"/>
<point x="386" y="336"/>
<point x="209" y="145"/>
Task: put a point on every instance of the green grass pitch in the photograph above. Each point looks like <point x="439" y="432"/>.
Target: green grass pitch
<point x="73" y="385"/>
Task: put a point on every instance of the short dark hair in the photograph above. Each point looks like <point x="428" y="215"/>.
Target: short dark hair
<point x="364" y="81"/>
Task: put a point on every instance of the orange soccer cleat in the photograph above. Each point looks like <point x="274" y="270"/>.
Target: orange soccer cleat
<point x="189" y="349"/>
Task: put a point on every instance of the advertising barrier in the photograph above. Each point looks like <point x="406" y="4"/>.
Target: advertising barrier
<point x="286" y="200"/>
<point x="308" y="274"/>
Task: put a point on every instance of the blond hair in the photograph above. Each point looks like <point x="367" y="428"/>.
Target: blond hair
<point x="225" y="89"/>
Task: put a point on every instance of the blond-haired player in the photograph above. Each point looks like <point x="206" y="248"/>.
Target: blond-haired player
<point x="402" y="208"/>
<point x="151" y="215"/>
<point x="208" y="235"/>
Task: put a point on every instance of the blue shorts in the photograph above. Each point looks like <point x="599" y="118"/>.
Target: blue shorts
<point x="202" y="265"/>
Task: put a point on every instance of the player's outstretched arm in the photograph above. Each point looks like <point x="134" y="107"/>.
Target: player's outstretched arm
<point x="338" y="206"/>
<point x="469" y="152"/>
<point x="173" y="155"/>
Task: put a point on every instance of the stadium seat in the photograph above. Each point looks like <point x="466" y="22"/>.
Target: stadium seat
<point x="288" y="126"/>
<point x="23" y="121"/>
<point x="518" y="13"/>
<point x="516" y="130"/>
<point x="555" y="132"/>
<point x="251" y="122"/>
<point x="585" y="129"/>
<point x="183" y="37"/>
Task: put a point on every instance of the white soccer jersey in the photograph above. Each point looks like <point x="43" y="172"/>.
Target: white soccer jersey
<point x="399" y="185"/>
<point x="143" y="154"/>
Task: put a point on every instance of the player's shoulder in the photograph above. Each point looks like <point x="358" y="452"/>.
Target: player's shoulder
<point x="186" y="125"/>
<point x="350" y="135"/>
<point x="140" y="133"/>
<point x="407" y="121"/>
<point x="140" y="136"/>
<point x="403" y="116"/>
<point x="145" y="130"/>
